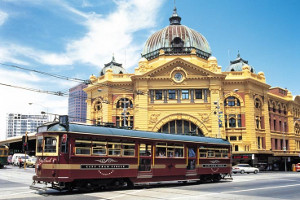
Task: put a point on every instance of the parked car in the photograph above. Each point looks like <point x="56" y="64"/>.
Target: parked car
<point x="262" y="166"/>
<point x="244" y="168"/>
<point x="298" y="167"/>
<point x="30" y="162"/>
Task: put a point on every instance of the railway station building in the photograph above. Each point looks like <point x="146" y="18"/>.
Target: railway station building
<point x="179" y="88"/>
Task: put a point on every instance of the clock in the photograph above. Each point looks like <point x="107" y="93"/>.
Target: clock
<point x="178" y="76"/>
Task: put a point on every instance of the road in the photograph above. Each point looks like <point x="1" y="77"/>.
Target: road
<point x="15" y="182"/>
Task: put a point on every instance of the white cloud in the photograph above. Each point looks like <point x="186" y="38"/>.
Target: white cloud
<point x="105" y="35"/>
<point x="10" y="53"/>
<point x="3" y="17"/>
<point x="113" y="33"/>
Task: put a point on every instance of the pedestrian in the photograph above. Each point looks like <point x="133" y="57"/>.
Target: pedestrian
<point x="20" y="162"/>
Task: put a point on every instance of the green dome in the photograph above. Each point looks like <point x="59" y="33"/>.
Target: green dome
<point x="176" y="39"/>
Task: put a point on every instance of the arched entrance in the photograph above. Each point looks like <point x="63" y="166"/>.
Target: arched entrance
<point x="181" y="126"/>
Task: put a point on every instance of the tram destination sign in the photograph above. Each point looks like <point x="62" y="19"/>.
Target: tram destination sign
<point x="112" y="166"/>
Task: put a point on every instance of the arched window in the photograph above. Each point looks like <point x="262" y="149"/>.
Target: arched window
<point x="284" y="110"/>
<point x="232" y="101"/>
<point x="257" y="103"/>
<point x="181" y="127"/>
<point x="124" y="103"/>
<point x="274" y="107"/>
<point x="279" y="108"/>
<point x="98" y="106"/>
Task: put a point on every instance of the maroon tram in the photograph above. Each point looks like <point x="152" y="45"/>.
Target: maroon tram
<point x="81" y="156"/>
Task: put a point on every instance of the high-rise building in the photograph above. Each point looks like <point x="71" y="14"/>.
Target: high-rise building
<point x="17" y="124"/>
<point x="179" y="88"/>
<point x="77" y="104"/>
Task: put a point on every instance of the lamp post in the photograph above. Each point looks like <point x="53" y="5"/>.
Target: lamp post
<point x="284" y="145"/>
<point x="43" y="107"/>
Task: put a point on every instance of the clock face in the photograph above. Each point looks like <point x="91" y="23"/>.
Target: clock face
<point x="178" y="76"/>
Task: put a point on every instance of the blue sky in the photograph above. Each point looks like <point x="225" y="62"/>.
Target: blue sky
<point x="76" y="38"/>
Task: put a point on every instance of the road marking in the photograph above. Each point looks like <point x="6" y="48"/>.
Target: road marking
<point x="14" y="188"/>
<point x="18" y="193"/>
<point x="264" y="188"/>
<point x="208" y="194"/>
<point x="124" y="194"/>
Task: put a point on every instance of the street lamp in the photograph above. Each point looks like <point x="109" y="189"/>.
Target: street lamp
<point x="42" y="106"/>
<point x="284" y="145"/>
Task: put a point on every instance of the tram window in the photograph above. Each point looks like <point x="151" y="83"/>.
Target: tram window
<point x="128" y="149"/>
<point x="114" y="149"/>
<point x="83" y="151"/>
<point x="170" y="152"/>
<point x="50" y="145"/>
<point x="210" y="153"/>
<point x="1" y="152"/>
<point x="82" y="147"/>
<point x="39" y="144"/>
<point x="99" y="148"/>
<point x="145" y="150"/>
<point x="203" y="153"/>
<point x="178" y="150"/>
<point x="218" y="153"/>
<point x="225" y="153"/>
<point x="161" y="149"/>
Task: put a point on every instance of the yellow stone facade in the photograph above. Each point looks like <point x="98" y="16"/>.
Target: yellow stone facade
<point x="246" y="105"/>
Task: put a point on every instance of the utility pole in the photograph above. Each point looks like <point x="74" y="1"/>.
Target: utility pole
<point x="219" y="117"/>
<point x="25" y="148"/>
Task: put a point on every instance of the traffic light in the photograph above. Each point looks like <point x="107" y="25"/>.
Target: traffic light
<point x="25" y="146"/>
<point x="25" y="142"/>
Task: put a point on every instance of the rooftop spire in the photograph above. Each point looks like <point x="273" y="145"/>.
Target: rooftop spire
<point x="113" y="58"/>
<point x="175" y="19"/>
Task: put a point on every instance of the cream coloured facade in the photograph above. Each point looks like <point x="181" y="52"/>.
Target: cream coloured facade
<point x="178" y="87"/>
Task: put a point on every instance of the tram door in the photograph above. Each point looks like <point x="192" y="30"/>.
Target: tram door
<point x="191" y="158"/>
<point x="145" y="152"/>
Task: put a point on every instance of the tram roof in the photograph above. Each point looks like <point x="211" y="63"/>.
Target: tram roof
<point x="98" y="130"/>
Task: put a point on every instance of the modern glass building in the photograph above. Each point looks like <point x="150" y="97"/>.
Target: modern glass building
<point x="77" y="104"/>
<point x="17" y="124"/>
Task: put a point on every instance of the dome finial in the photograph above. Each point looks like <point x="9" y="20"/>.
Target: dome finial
<point x="175" y="19"/>
<point x="238" y="56"/>
<point x="113" y="58"/>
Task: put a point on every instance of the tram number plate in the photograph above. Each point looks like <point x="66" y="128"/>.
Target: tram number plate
<point x="120" y="166"/>
<point x="214" y="165"/>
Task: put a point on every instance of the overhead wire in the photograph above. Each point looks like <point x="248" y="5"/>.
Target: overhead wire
<point x="78" y="80"/>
